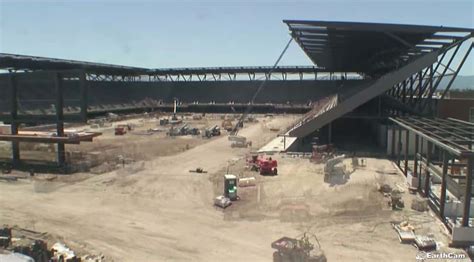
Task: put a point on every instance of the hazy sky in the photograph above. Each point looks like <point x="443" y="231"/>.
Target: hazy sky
<point x="195" y="33"/>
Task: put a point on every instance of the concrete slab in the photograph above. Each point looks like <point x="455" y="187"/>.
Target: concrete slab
<point x="279" y="144"/>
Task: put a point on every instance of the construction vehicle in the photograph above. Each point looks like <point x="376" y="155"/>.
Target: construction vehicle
<point x="240" y="121"/>
<point x="174" y="119"/>
<point x="321" y="153"/>
<point x="121" y="130"/>
<point x="262" y="164"/>
<point x="297" y="250"/>
<point x="214" y="131"/>
<point x="239" y="141"/>
<point x="193" y="131"/>
<point x="230" y="187"/>
<point x="164" y="121"/>
<point x="227" y="125"/>
<point x="333" y="167"/>
<point x="178" y="131"/>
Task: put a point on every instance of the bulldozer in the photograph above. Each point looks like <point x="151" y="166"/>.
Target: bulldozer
<point x="297" y="250"/>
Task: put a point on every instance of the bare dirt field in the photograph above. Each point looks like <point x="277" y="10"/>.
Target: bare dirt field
<point x="156" y="210"/>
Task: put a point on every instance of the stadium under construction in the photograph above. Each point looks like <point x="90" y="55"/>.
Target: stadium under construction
<point x="372" y="94"/>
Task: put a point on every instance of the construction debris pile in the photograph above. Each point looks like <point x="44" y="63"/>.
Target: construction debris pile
<point x="297" y="250"/>
<point x="23" y="245"/>
<point x="406" y="235"/>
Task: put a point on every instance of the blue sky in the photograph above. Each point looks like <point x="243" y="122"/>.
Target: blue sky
<point x="195" y="33"/>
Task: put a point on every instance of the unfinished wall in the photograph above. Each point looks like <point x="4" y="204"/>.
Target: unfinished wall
<point x="455" y="108"/>
<point x="411" y="148"/>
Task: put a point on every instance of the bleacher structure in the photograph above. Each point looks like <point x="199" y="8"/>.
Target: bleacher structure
<point x="403" y="63"/>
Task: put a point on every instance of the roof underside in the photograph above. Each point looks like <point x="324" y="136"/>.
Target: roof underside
<point x="34" y="63"/>
<point x="369" y="48"/>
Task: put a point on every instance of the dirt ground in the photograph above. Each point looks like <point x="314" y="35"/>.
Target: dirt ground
<point x="156" y="210"/>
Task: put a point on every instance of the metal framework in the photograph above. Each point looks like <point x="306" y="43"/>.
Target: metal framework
<point x="107" y="72"/>
<point x="55" y="80"/>
<point x="448" y="157"/>
<point x="405" y="62"/>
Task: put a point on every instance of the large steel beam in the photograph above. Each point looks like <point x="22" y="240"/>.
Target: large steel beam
<point x="380" y="86"/>
<point x="457" y="71"/>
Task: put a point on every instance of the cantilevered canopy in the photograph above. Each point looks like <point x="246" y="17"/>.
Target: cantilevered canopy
<point x="34" y="63"/>
<point x="370" y="48"/>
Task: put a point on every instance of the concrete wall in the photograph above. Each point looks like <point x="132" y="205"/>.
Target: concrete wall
<point x="456" y="108"/>
<point x="411" y="147"/>
<point x="456" y="208"/>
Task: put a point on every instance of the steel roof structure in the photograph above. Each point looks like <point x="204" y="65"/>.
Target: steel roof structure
<point x="34" y="63"/>
<point x="453" y="135"/>
<point x="369" y="48"/>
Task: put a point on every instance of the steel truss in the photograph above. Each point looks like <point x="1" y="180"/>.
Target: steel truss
<point x="415" y="93"/>
<point x="282" y="73"/>
<point x="449" y="146"/>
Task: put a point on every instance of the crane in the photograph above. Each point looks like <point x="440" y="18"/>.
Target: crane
<point x="240" y="122"/>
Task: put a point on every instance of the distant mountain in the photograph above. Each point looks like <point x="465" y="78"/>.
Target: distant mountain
<point x="461" y="82"/>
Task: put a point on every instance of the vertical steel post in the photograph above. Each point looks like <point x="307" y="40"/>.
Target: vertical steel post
<point x="399" y="148"/>
<point x="468" y="193"/>
<point x="407" y="141"/>
<point x="415" y="157"/>
<point x="84" y="88"/>
<point x="393" y="141"/>
<point x="442" y="199"/>
<point x="60" y="118"/>
<point x="13" y="115"/>
<point x="421" y="160"/>
<point x="427" y="171"/>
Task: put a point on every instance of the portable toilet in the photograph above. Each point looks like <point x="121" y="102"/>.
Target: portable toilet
<point x="230" y="186"/>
